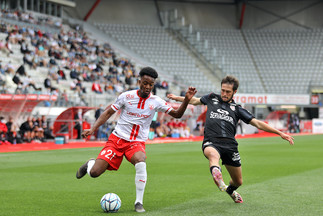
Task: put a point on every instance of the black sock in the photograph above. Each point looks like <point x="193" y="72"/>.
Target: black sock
<point x="231" y="188"/>
<point x="211" y="168"/>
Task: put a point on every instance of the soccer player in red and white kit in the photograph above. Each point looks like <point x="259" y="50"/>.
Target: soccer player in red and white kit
<point x="128" y="139"/>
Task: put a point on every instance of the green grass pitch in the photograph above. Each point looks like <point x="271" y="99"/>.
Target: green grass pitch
<point x="279" y="179"/>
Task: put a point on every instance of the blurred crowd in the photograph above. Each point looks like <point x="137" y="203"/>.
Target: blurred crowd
<point x="34" y="129"/>
<point x="175" y="128"/>
<point x="67" y="55"/>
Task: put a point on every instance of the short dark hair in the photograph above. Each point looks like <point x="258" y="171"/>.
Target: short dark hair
<point x="232" y="81"/>
<point x="149" y="72"/>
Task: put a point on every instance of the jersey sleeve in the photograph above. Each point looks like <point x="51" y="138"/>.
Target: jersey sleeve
<point x="119" y="103"/>
<point x="163" y="106"/>
<point x="204" y="99"/>
<point x="245" y="115"/>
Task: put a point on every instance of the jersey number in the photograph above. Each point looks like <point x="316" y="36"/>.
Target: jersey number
<point x="134" y="132"/>
<point x="110" y="154"/>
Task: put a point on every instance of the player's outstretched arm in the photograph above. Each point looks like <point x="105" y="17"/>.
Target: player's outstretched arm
<point x="265" y="127"/>
<point x="188" y="96"/>
<point x="100" y="121"/>
<point x="194" y="101"/>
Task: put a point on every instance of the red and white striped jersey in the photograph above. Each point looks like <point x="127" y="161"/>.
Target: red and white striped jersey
<point x="137" y="114"/>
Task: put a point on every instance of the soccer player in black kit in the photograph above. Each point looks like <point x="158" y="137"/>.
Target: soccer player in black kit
<point x="219" y="141"/>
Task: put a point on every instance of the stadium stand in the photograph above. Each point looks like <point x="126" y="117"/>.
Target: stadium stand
<point x="236" y="61"/>
<point x="288" y="60"/>
<point x="157" y="45"/>
<point x="270" y="58"/>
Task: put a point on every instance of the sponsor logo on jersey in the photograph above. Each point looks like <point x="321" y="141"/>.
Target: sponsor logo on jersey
<point x="103" y="152"/>
<point x="138" y="115"/>
<point x="223" y="111"/>
<point x="215" y="100"/>
<point x="151" y="106"/>
<point x="129" y="96"/>
<point x="221" y="114"/>
<point x="129" y="103"/>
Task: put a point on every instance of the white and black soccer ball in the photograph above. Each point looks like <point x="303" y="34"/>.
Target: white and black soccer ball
<point x="110" y="202"/>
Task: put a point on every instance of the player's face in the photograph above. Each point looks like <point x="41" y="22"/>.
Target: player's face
<point x="146" y="86"/>
<point x="227" y="92"/>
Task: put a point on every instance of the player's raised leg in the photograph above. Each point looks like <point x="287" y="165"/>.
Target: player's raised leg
<point x="93" y="168"/>
<point x="138" y="159"/>
<point x="214" y="157"/>
<point x="235" y="183"/>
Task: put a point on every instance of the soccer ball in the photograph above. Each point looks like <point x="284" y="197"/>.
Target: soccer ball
<point x="110" y="202"/>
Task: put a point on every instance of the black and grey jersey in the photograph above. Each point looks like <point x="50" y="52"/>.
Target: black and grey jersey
<point x="222" y="117"/>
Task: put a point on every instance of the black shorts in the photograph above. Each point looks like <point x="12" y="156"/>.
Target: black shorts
<point x="228" y="150"/>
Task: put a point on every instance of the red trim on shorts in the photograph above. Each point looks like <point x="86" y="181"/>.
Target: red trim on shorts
<point x="115" y="107"/>
<point x="167" y="109"/>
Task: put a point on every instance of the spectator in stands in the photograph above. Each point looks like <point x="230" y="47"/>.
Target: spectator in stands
<point x="17" y="81"/>
<point x="97" y="114"/>
<point x="61" y="74"/>
<point x="52" y="71"/>
<point x="10" y="68"/>
<point x="3" y="130"/>
<point x="47" y="129"/>
<point x="62" y="99"/>
<point x="28" y="81"/>
<point x="21" y="70"/>
<point x="162" y="130"/>
<point x="164" y="85"/>
<point x="118" y="87"/>
<point x="108" y="87"/>
<point x="73" y="84"/>
<point x="38" y="134"/>
<point x="24" y="47"/>
<point x="4" y="48"/>
<point x="96" y="87"/>
<point x="184" y="130"/>
<point x="12" y="132"/>
<point x="8" y="47"/>
<point x="28" y="59"/>
<point x="26" y="130"/>
<point x="48" y="84"/>
<point x="79" y="84"/>
<point x="78" y="122"/>
<point x="182" y="93"/>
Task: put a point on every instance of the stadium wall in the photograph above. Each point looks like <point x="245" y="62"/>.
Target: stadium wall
<point x="307" y="13"/>
<point x="118" y="12"/>
<point x="204" y="15"/>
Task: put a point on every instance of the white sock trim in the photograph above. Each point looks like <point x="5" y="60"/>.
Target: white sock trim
<point x="90" y="164"/>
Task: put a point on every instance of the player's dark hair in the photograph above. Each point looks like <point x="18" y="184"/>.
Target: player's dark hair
<point x="149" y="72"/>
<point x="232" y="81"/>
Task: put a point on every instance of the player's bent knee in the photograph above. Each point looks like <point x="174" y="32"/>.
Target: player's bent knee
<point x="95" y="173"/>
